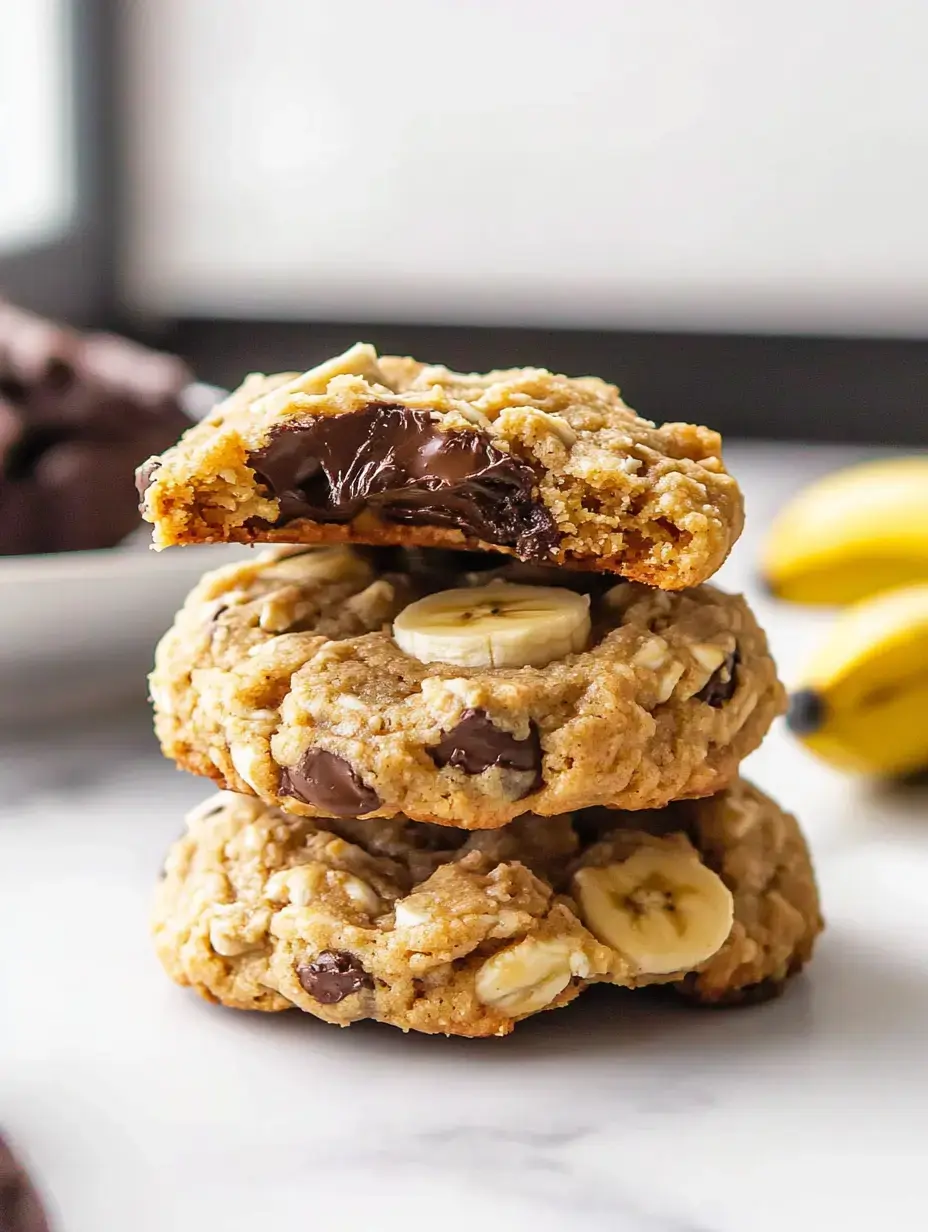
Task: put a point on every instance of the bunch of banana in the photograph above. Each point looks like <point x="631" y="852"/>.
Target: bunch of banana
<point x="863" y="703"/>
<point x="855" y="533"/>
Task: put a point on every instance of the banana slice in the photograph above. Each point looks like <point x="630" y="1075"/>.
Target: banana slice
<point x="500" y="625"/>
<point x="663" y="910"/>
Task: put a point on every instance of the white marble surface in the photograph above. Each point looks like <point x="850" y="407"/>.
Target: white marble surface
<point x="139" y="1107"/>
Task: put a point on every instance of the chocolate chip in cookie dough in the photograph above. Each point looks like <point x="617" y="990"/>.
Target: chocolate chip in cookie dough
<point x="721" y="685"/>
<point x="394" y="461"/>
<point x="332" y="976"/>
<point x="475" y="744"/>
<point x="327" y="781"/>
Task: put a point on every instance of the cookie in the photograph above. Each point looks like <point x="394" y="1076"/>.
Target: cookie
<point x="373" y="450"/>
<point x="434" y="930"/>
<point x="282" y="677"/>
<point x="78" y="412"/>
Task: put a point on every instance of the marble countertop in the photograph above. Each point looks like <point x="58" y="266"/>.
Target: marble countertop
<point x="137" y="1106"/>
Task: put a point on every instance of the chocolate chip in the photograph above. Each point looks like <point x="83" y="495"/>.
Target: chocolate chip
<point x="328" y="782"/>
<point x="332" y="976"/>
<point x="475" y="744"/>
<point x="721" y="685"/>
<point x="393" y="460"/>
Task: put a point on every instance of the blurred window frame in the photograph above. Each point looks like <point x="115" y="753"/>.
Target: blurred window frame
<point x="767" y="386"/>
<point x="71" y="275"/>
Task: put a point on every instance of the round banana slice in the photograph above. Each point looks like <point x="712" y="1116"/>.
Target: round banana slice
<point x="665" y="911"/>
<point x="500" y="625"/>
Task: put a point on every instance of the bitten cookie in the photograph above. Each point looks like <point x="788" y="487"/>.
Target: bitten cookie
<point x="434" y="930"/>
<point x="373" y="450"/>
<point x="299" y="677"/>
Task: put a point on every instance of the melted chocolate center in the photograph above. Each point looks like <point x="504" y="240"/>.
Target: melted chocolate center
<point x="394" y="461"/>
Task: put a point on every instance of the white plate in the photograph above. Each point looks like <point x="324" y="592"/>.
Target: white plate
<point x="78" y="629"/>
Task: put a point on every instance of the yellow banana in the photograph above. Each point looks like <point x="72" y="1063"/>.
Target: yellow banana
<point x="852" y="534"/>
<point x="863" y="703"/>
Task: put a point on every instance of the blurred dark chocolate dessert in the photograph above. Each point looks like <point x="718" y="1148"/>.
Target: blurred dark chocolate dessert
<point x="20" y="1208"/>
<point x="78" y="413"/>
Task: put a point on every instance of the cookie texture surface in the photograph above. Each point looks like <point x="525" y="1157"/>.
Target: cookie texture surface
<point x="281" y="678"/>
<point x="435" y="930"/>
<point x="373" y="450"/>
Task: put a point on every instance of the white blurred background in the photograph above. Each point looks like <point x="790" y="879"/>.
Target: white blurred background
<point x="747" y="166"/>
<point x="604" y="162"/>
<point x="36" y="149"/>
<point x="657" y="192"/>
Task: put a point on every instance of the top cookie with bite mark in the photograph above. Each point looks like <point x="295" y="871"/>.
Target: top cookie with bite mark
<point x="375" y="449"/>
<point x="373" y="682"/>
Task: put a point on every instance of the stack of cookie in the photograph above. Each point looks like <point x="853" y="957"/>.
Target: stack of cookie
<point x="478" y="719"/>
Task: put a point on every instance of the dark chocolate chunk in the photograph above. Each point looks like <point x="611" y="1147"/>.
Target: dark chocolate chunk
<point x="394" y="460"/>
<point x="721" y="685"/>
<point x="328" y="782"/>
<point x="332" y="976"/>
<point x="33" y="444"/>
<point x="78" y="413"/>
<point x="20" y="1209"/>
<point x="67" y="473"/>
<point x="475" y="744"/>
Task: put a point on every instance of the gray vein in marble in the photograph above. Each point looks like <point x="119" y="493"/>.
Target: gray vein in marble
<point x="528" y="1163"/>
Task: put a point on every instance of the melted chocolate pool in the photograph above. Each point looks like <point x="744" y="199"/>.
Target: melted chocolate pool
<point x="394" y="461"/>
